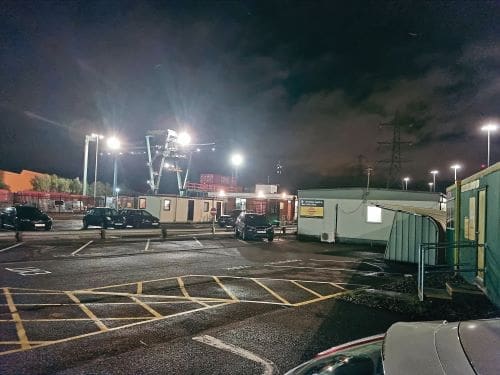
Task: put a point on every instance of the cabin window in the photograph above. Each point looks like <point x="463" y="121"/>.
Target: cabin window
<point x="166" y="205"/>
<point x="373" y="214"/>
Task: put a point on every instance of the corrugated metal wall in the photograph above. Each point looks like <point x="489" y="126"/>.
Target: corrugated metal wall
<point x="407" y="233"/>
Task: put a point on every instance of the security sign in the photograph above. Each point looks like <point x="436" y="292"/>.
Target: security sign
<point x="312" y="208"/>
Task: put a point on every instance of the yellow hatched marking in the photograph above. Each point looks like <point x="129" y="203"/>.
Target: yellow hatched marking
<point x="46" y="343"/>
<point x="275" y="295"/>
<point x="127" y="284"/>
<point x="337" y="286"/>
<point x="21" y="333"/>
<point x="148" y="308"/>
<point x="307" y="289"/>
<point x="139" y="287"/>
<point x="318" y="299"/>
<point x="90" y="292"/>
<point x="19" y="343"/>
<point x="76" y="319"/>
<point x="186" y="294"/>
<point x="86" y="310"/>
<point x="229" y="293"/>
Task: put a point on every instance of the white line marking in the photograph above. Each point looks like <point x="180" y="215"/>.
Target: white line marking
<point x="349" y="261"/>
<point x="81" y="248"/>
<point x="269" y="367"/>
<point x="147" y="245"/>
<point x="198" y="242"/>
<point x="11" y="247"/>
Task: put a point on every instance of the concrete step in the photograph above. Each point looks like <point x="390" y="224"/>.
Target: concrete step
<point x="437" y="293"/>
<point x="455" y="289"/>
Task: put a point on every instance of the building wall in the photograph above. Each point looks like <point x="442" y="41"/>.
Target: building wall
<point x="178" y="212"/>
<point x="19" y="181"/>
<point x="346" y="219"/>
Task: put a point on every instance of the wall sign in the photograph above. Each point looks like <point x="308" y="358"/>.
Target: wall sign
<point x="312" y="208"/>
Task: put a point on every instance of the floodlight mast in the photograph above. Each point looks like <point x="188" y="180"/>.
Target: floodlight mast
<point x="177" y="146"/>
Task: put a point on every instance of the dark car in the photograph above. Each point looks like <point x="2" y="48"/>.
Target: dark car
<point x="103" y="217"/>
<point x="225" y="221"/>
<point x="25" y="218"/>
<point x="252" y="226"/>
<point x="139" y="218"/>
<point x="415" y="348"/>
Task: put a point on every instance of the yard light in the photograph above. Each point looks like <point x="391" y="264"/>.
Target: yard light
<point x="406" y="179"/>
<point x="113" y="143"/>
<point x="236" y="161"/>
<point x="434" y="173"/>
<point x="184" y="139"/>
<point x="456" y="167"/>
<point x="489" y="128"/>
<point x="222" y="193"/>
<point x="260" y="194"/>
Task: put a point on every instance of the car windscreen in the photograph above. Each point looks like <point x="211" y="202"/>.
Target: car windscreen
<point x="256" y="220"/>
<point x="31" y="213"/>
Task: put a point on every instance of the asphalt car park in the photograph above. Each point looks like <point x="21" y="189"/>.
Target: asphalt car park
<point x="200" y="303"/>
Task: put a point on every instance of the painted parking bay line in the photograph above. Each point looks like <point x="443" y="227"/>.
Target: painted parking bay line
<point x="11" y="247"/>
<point x="81" y="248"/>
<point x="28" y="271"/>
<point x="269" y="367"/>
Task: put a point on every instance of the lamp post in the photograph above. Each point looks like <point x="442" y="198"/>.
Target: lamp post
<point x="96" y="137"/>
<point x="406" y="179"/>
<point x="89" y="138"/>
<point x="434" y="173"/>
<point x="488" y="128"/>
<point x="431" y="185"/>
<point x="236" y="161"/>
<point x="455" y="167"/>
<point x="117" y="196"/>
<point x="114" y="145"/>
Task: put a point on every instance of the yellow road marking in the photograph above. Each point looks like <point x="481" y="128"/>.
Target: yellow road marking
<point x="186" y="294"/>
<point x="115" y="328"/>
<point x="318" y="299"/>
<point x="90" y="292"/>
<point x="337" y="286"/>
<point x="125" y="284"/>
<point x="75" y="319"/>
<point x="229" y="293"/>
<point x="86" y="310"/>
<point x="139" y="287"/>
<point x="19" y="343"/>
<point x="276" y="295"/>
<point x="21" y="333"/>
<point x="307" y="289"/>
<point x="148" y="308"/>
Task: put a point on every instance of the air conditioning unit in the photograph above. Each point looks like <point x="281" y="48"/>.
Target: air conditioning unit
<point x="328" y="237"/>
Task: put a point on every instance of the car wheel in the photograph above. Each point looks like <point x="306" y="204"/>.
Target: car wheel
<point x="270" y="238"/>
<point x="47" y="228"/>
<point x="104" y="225"/>
<point x="85" y="224"/>
<point x="1" y="223"/>
<point x="236" y="233"/>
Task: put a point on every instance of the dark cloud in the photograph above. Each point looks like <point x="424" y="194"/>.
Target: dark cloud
<point x="307" y="83"/>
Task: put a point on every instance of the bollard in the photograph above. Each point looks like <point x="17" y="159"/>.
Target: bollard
<point x="103" y="234"/>
<point x="164" y="231"/>
<point x="19" y="236"/>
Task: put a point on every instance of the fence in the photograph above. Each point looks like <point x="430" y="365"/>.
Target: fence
<point x="459" y="265"/>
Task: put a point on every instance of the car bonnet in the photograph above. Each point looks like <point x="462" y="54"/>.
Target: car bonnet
<point x="424" y="348"/>
<point x="481" y="342"/>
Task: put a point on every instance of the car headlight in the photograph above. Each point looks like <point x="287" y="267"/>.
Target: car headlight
<point x="108" y="218"/>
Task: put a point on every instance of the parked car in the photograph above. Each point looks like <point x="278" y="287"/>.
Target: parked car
<point x="103" y="217"/>
<point x="136" y="218"/>
<point x="252" y="226"/>
<point x="471" y="347"/>
<point x="225" y="221"/>
<point x="25" y="218"/>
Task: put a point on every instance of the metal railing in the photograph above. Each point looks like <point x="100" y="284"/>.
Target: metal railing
<point x="458" y="265"/>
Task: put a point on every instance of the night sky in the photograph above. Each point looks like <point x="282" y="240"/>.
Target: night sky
<point x="306" y="83"/>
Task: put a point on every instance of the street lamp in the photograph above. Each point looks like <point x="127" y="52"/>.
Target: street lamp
<point x="97" y="137"/>
<point x="406" y="179"/>
<point x="236" y="161"/>
<point x="114" y="144"/>
<point x="434" y="173"/>
<point x="489" y="128"/>
<point x="431" y="184"/>
<point x="183" y="139"/>
<point x="455" y="167"/>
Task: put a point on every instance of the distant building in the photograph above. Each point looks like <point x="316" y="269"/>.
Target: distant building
<point x="19" y="181"/>
<point x="356" y="215"/>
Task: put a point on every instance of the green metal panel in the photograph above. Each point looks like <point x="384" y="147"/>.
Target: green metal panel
<point x="407" y="233"/>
